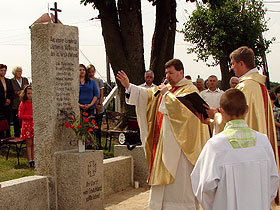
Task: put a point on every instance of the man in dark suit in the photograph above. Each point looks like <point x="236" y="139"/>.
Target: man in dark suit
<point x="6" y="96"/>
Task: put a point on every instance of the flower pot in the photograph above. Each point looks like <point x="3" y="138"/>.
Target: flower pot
<point x="81" y="146"/>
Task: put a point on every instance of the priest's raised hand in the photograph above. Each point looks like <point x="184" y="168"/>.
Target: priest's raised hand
<point x="123" y="78"/>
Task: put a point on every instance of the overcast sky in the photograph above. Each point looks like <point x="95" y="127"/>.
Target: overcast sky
<point x="16" y="17"/>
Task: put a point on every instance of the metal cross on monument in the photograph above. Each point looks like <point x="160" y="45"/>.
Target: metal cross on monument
<point x="55" y="12"/>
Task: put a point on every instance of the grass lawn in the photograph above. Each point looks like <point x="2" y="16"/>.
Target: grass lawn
<point x="106" y="153"/>
<point x="9" y="169"/>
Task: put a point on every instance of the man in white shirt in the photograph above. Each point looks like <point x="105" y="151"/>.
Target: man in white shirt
<point x="236" y="169"/>
<point x="149" y="78"/>
<point x="213" y="94"/>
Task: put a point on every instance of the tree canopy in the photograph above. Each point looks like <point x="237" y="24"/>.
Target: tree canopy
<point x="217" y="31"/>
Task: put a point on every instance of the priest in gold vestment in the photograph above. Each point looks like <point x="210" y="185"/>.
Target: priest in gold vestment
<point x="252" y="84"/>
<point x="171" y="135"/>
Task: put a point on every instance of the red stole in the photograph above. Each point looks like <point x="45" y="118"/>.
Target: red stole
<point x="265" y="101"/>
<point x="157" y="128"/>
<point x="266" y="104"/>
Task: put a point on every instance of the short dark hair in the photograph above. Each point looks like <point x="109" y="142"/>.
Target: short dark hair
<point x="149" y="71"/>
<point x="233" y="102"/>
<point x="188" y="77"/>
<point x="213" y="76"/>
<point x="2" y="66"/>
<point x="178" y="65"/>
<point x="244" y="54"/>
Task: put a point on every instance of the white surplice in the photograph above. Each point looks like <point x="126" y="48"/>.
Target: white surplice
<point x="176" y="196"/>
<point x="235" y="179"/>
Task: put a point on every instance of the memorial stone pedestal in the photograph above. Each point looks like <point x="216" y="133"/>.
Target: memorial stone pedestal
<point x="141" y="171"/>
<point x="79" y="178"/>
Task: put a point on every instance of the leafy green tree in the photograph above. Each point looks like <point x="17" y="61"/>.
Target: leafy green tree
<point x="218" y="28"/>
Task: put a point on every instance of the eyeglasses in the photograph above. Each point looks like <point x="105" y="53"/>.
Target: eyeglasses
<point x="3" y="70"/>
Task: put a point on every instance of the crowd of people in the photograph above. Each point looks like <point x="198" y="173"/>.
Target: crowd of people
<point x="226" y="161"/>
<point x="16" y="105"/>
<point x="234" y="169"/>
<point x="16" y="108"/>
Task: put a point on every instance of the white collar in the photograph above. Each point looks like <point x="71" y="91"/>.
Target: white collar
<point x="249" y="72"/>
<point x="145" y="84"/>
<point x="217" y="90"/>
<point x="181" y="81"/>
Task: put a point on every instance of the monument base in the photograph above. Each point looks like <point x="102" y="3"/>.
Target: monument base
<point x="141" y="171"/>
<point x="79" y="178"/>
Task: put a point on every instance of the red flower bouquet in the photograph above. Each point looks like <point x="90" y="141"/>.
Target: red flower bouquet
<point x="83" y="126"/>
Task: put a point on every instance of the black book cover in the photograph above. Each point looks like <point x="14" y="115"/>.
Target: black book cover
<point x="194" y="103"/>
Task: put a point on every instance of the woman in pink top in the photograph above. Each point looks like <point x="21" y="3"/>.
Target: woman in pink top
<point x="25" y="113"/>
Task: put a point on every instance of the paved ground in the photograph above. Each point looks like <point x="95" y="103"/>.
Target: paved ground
<point x="135" y="199"/>
<point x="130" y="199"/>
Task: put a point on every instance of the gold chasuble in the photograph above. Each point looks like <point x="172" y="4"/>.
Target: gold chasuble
<point x="260" y="116"/>
<point x="189" y="132"/>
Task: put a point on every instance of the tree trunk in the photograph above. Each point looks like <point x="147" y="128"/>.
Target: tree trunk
<point x="163" y="38"/>
<point x="111" y="34"/>
<point x="122" y="31"/>
<point x="132" y="38"/>
<point x="226" y="73"/>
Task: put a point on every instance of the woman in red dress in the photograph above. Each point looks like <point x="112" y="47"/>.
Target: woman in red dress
<point x="25" y="113"/>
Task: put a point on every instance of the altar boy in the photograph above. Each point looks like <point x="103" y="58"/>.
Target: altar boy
<point x="236" y="169"/>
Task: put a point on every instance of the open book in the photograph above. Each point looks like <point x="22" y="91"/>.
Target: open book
<point x="194" y="103"/>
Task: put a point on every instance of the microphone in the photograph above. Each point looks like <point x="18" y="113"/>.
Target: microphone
<point x="158" y="91"/>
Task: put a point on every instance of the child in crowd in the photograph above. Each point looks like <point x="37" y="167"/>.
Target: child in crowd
<point x="25" y="113"/>
<point x="236" y="168"/>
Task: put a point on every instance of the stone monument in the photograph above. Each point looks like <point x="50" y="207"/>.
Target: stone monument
<point x="75" y="179"/>
<point x="55" y="82"/>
